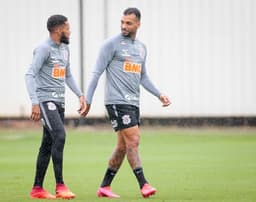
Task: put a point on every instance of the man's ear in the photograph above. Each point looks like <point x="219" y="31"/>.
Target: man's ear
<point x="58" y="29"/>
<point x="138" y="24"/>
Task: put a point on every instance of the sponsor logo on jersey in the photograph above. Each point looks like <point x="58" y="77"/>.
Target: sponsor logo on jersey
<point x="58" y="95"/>
<point x="65" y="54"/>
<point x="54" y="59"/>
<point x="58" y="72"/>
<point x="125" y="53"/>
<point x="142" y="53"/>
<point x="131" y="97"/>
<point x="132" y="67"/>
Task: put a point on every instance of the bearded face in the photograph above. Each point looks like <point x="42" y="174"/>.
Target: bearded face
<point x="64" y="39"/>
<point x="129" y="25"/>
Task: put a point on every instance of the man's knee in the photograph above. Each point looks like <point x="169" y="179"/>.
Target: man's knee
<point x="121" y="150"/>
<point x="59" y="139"/>
<point x="45" y="149"/>
<point x="132" y="145"/>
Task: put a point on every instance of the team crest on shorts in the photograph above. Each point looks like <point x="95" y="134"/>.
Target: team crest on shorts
<point x="126" y="119"/>
<point x="51" y="106"/>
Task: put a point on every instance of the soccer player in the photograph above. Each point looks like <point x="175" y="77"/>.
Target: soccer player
<point x="123" y="58"/>
<point x="45" y="82"/>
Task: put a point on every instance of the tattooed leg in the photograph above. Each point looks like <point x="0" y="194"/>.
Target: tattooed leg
<point x="132" y="138"/>
<point x="118" y="154"/>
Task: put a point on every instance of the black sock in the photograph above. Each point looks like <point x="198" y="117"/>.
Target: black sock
<point x="109" y="176"/>
<point x="140" y="176"/>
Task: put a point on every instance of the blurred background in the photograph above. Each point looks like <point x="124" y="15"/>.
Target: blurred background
<point x="201" y="53"/>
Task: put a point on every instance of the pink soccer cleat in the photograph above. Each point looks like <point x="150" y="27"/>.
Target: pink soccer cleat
<point x="63" y="192"/>
<point x="147" y="190"/>
<point x="106" y="192"/>
<point x="40" y="193"/>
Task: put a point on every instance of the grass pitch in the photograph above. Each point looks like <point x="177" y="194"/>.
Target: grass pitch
<point x="183" y="164"/>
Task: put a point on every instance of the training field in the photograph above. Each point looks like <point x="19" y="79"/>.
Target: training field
<point x="183" y="164"/>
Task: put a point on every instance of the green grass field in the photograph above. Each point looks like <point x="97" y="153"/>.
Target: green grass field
<point x="183" y="164"/>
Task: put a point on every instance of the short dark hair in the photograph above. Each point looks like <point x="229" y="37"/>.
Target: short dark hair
<point x="132" y="10"/>
<point x="55" y="20"/>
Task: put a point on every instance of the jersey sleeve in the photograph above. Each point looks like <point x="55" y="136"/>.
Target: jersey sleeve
<point x="71" y="83"/>
<point x="104" y="58"/>
<point x="40" y="55"/>
<point x="147" y="83"/>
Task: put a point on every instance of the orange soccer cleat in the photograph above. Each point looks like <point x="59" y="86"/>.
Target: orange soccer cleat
<point x="106" y="192"/>
<point x="40" y="193"/>
<point x="63" y="192"/>
<point x="147" y="190"/>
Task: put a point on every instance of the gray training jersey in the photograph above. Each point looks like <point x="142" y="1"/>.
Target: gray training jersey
<point x="124" y="61"/>
<point x="48" y="73"/>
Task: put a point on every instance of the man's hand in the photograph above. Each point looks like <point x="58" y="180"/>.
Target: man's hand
<point x="85" y="110"/>
<point x="84" y="107"/>
<point x="165" y="100"/>
<point x="36" y="113"/>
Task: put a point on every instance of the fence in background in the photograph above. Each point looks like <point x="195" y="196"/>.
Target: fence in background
<point x="200" y="53"/>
